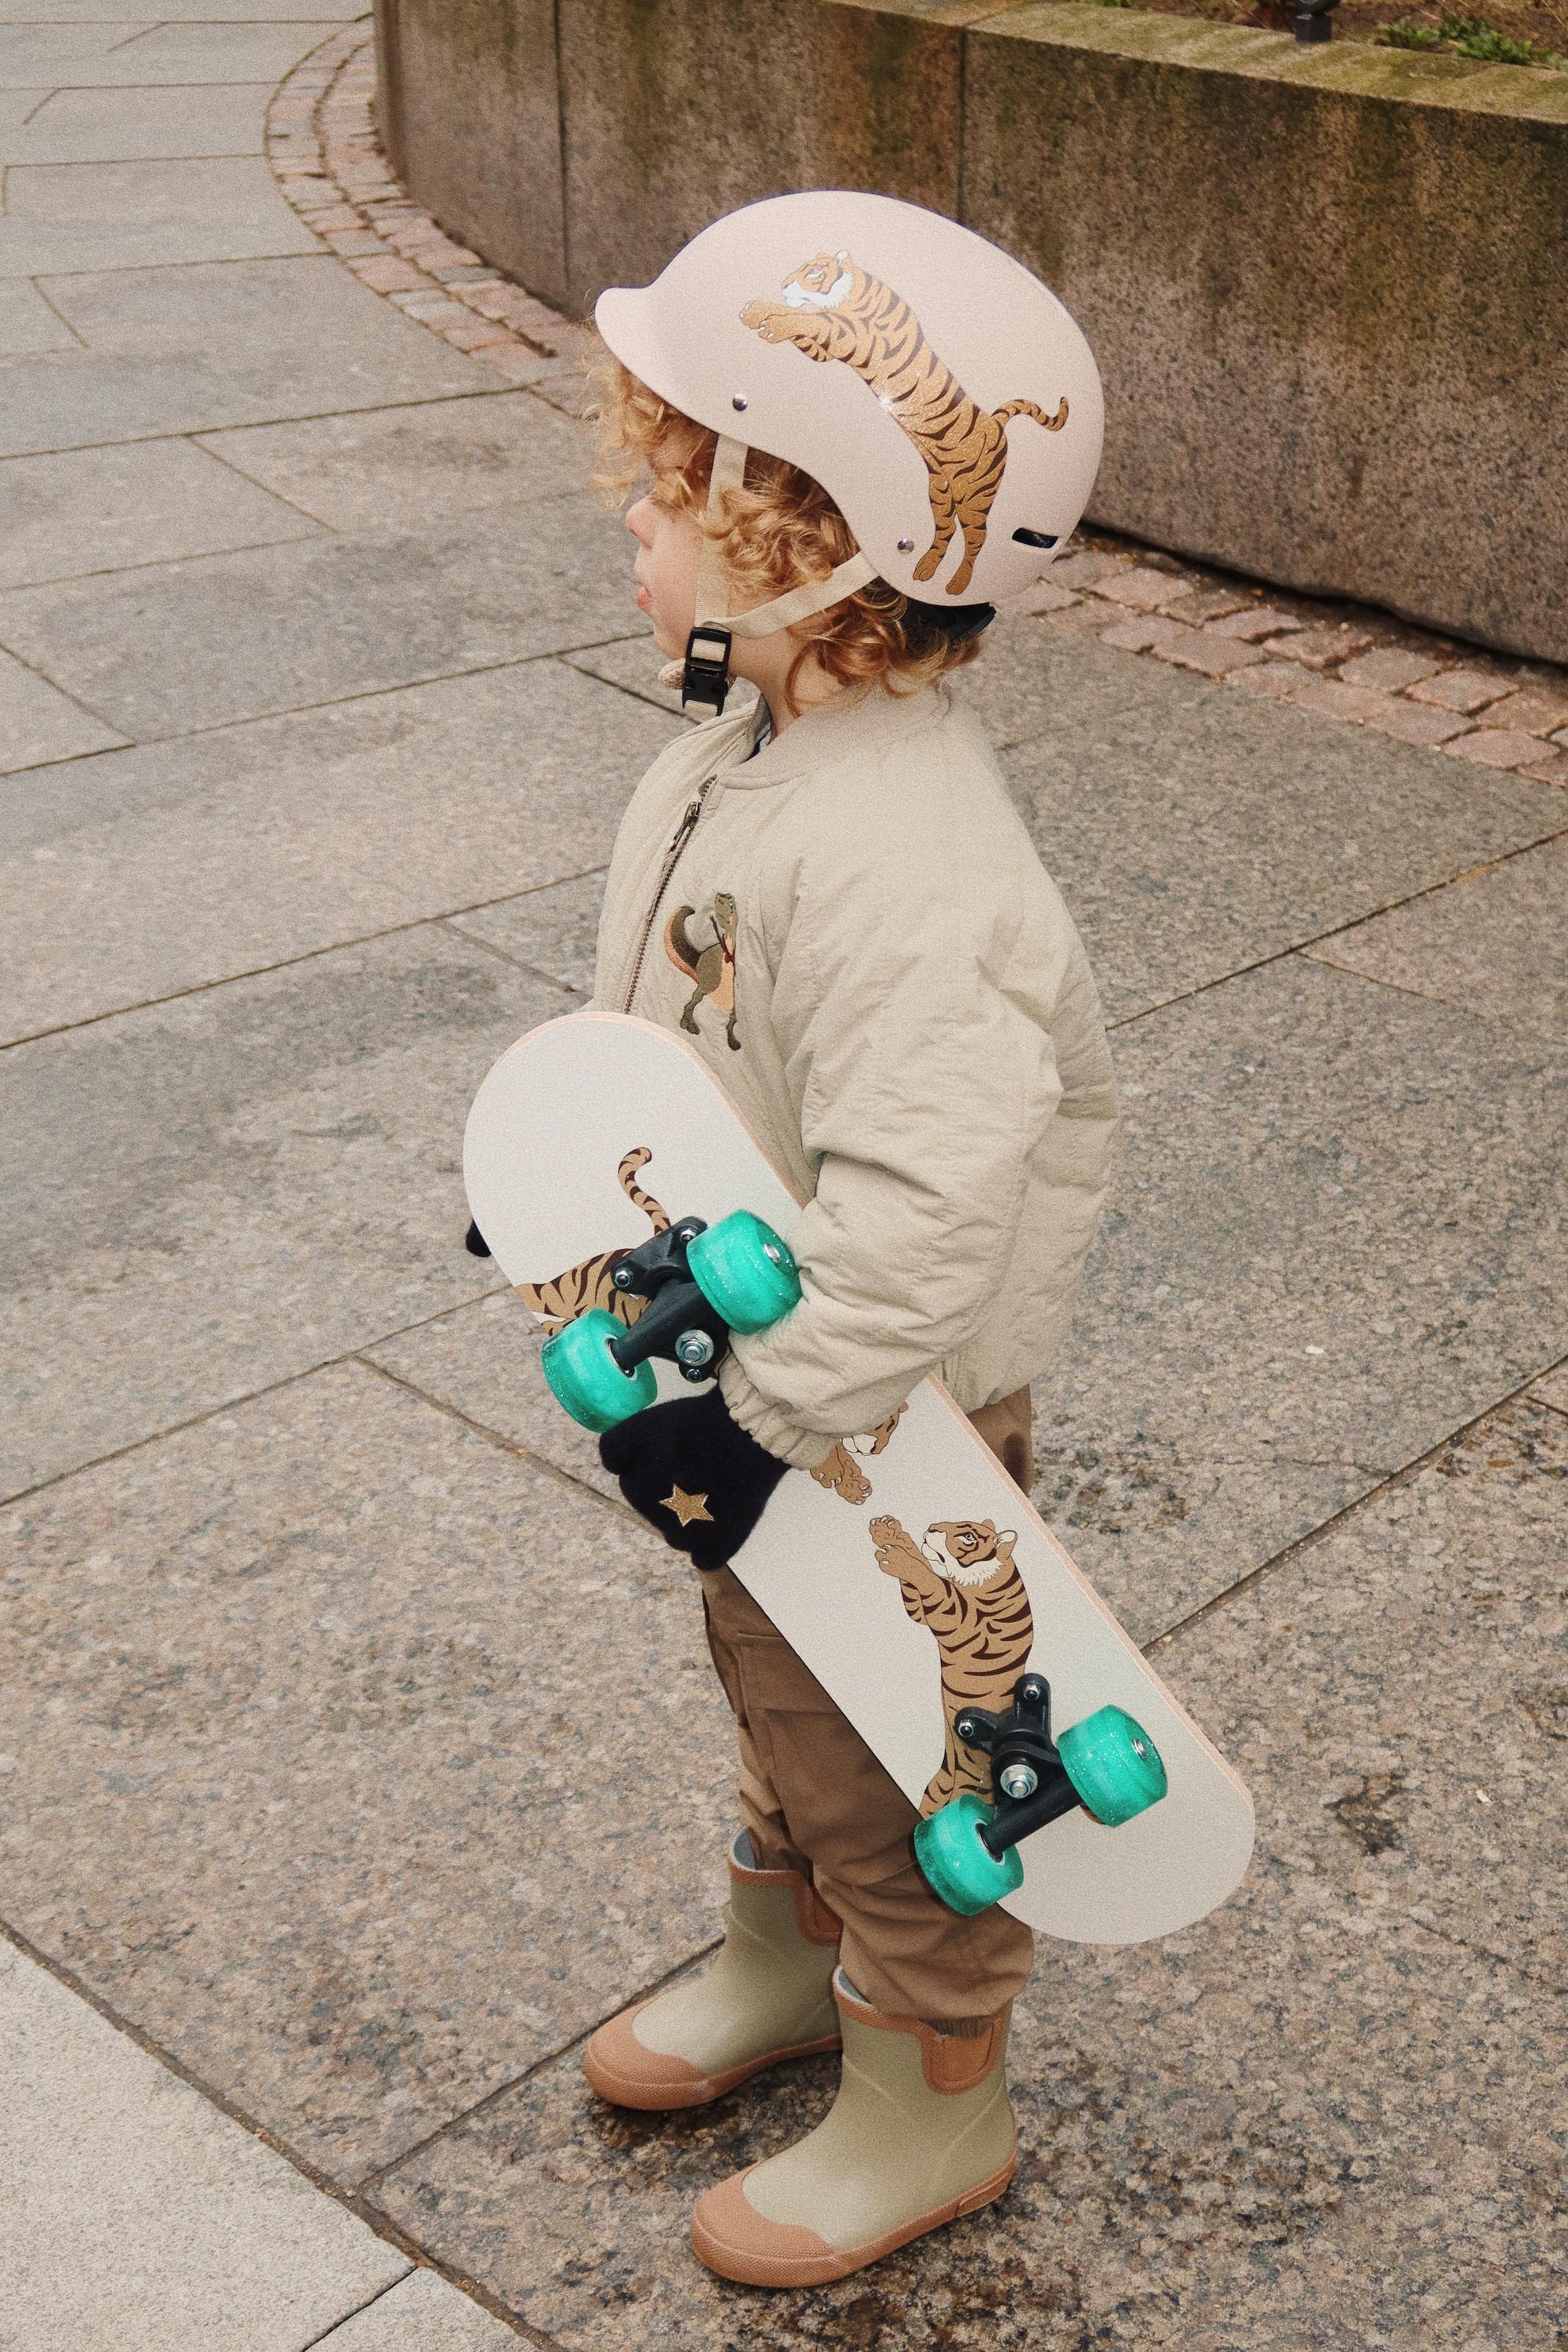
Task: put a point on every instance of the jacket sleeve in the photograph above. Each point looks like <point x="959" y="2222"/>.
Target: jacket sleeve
<point x="925" y="1085"/>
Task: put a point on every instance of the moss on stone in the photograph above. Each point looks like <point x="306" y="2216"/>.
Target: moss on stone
<point x="1421" y="77"/>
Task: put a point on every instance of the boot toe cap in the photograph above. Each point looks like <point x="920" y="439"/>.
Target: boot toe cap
<point x="621" y="2070"/>
<point x="733" y="2239"/>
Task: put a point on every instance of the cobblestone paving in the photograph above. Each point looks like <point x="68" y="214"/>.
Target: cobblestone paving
<point x="321" y="693"/>
<point x="322" y="145"/>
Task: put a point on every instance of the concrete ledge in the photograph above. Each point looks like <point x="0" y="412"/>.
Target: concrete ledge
<point x="1326" y="286"/>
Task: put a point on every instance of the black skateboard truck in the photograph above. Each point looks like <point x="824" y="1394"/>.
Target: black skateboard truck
<point x="678" y="1321"/>
<point x="702" y="1281"/>
<point x="1029" y="1782"/>
<point x="1108" y="1764"/>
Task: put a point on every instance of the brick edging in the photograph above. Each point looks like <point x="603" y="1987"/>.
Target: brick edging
<point x="326" y="157"/>
<point x="1361" y="666"/>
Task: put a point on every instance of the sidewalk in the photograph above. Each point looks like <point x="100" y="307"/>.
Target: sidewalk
<point x="320" y="692"/>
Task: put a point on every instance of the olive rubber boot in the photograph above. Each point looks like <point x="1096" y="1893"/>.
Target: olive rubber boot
<point x="922" y="2131"/>
<point x="768" y="1996"/>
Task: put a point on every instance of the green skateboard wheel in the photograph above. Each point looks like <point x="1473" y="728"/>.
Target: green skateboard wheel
<point x="1114" y="1766"/>
<point x="744" y="1272"/>
<point x="585" y="1378"/>
<point x="957" y="1867"/>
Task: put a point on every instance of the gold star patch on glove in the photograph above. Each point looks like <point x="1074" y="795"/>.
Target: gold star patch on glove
<point x="685" y="1506"/>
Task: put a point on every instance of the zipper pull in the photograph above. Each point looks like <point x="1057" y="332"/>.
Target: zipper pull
<point x="688" y="823"/>
<point x="683" y="830"/>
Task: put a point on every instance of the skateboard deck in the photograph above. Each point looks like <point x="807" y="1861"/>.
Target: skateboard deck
<point x="889" y="1570"/>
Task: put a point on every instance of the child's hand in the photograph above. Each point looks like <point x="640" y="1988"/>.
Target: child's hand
<point x="693" y="1473"/>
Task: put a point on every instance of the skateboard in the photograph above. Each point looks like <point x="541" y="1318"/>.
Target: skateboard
<point x="623" y="1198"/>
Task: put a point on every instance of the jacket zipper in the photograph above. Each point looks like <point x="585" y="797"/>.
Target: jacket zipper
<point x="683" y="834"/>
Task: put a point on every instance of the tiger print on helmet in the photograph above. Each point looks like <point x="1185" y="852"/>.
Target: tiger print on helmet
<point x="833" y="309"/>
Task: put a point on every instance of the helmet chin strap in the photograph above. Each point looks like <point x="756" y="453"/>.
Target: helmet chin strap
<point x="705" y="673"/>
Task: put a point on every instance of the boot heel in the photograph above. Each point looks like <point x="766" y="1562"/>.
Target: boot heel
<point x="989" y="2191"/>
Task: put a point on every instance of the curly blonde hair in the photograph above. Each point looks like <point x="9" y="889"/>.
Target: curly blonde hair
<point x="778" y="531"/>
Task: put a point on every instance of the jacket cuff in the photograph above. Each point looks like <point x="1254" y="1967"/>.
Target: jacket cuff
<point x="802" y="1449"/>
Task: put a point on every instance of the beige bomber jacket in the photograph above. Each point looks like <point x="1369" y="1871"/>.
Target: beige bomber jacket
<point x="854" y="923"/>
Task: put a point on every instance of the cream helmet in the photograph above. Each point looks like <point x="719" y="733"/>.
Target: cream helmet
<point x="942" y="395"/>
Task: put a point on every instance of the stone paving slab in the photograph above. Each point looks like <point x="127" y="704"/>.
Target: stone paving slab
<point x="1492" y="942"/>
<point x="315" y="1774"/>
<point x="554" y="931"/>
<point x="35" y="55"/>
<point x="1193" y="832"/>
<point x="37" y="723"/>
<point x="138" y="2216"/>
<point x="1288" y="2129"/>
<point x="230" y="637"/>
<point x="88" y="55"/>
<point x="179" y="351"/>
<point x="220" y="1192"/>
<point x="1395" y="1696"/>
<point x="98" y="510"/>
<point x="399" y="466"/>
<point x="1554" y="1390"/>
<point x="634" y="664"/>
<point x="179" y="864"/>
<point x="71" y="217"/>
<point x="482" y="1361"/>
<point x="28" y="325"/>
<point x="1335" y="1235"/>
<point x="118" y="126"/>
<point x="422" y="2313"/>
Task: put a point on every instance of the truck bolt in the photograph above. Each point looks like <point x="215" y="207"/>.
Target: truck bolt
<point x="1019" y="1780"/>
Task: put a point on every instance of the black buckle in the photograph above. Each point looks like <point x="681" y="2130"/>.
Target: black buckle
<point x="705" y="681"/>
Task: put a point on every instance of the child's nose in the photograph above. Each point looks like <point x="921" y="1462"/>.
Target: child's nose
<point x="639" y="522"/>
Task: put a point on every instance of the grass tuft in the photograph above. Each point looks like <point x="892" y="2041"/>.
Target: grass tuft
<point x="1469" y="36"/>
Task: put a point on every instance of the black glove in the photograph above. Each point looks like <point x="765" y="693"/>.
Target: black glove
<point x="694" y="1474"/>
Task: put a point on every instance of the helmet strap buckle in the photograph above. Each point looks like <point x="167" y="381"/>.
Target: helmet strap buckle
<point x="705" y="676"/>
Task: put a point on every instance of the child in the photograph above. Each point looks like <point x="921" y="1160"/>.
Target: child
<point x="834" y="899"/>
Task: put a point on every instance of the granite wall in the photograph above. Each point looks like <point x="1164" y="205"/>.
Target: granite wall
<point x="1328" y="287"/>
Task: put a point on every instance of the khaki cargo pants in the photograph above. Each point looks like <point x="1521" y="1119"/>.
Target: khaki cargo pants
<point x="815" y="1800"/>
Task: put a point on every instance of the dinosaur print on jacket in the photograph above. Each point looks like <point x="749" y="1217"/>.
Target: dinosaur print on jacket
<point x="706" y="955"/>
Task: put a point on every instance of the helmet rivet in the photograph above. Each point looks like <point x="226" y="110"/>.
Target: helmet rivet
<point x="906" y="546"/>
<point x="738" y="400"/>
